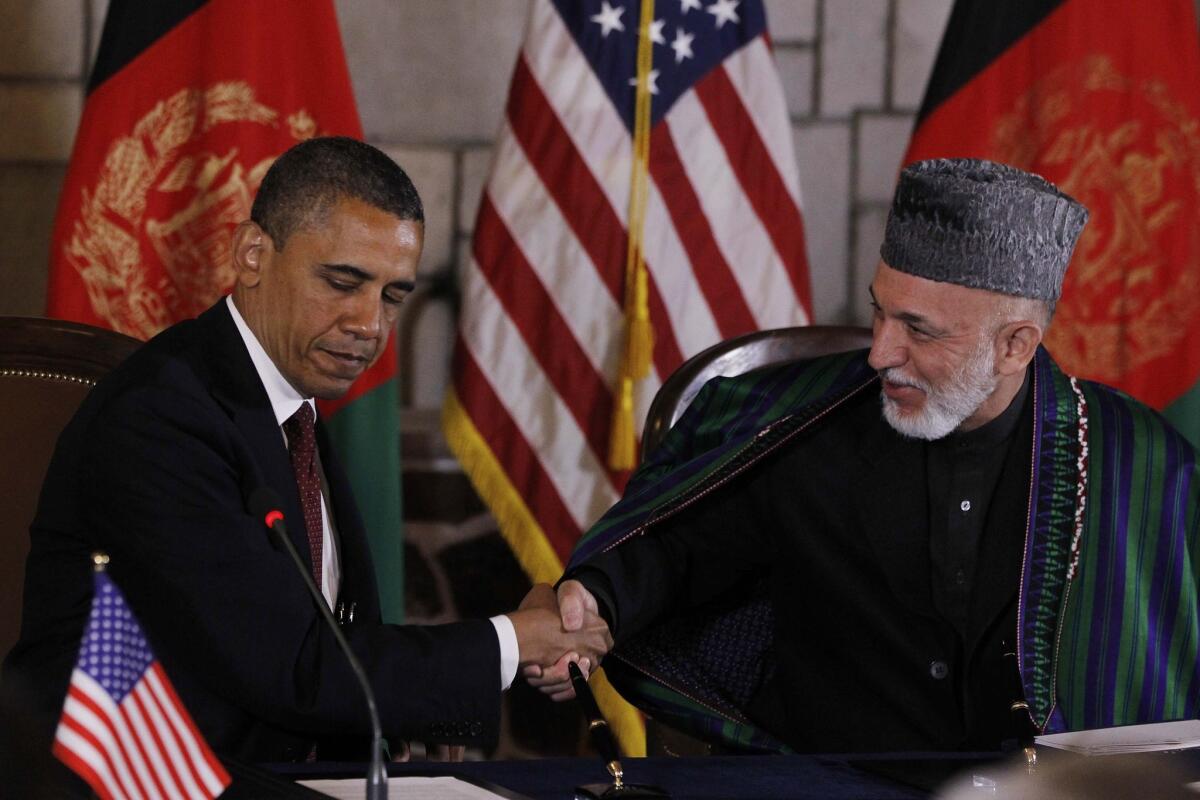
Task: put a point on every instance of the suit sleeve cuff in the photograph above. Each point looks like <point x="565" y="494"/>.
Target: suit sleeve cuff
<point x="510" y="652"/>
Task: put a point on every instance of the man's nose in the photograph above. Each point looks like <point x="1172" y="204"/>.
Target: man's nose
<point x="364" y="318"/>
<point x="887" y="346"/>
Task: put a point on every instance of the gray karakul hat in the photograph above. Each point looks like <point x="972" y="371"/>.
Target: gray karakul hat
<point x="982" y="225"/>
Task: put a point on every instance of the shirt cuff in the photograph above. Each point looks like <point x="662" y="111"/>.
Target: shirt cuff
<point x="510" y="653"/>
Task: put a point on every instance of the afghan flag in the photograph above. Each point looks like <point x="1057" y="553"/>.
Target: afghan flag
<point x="1101" y="97"/>
<point x="189" y="103"/>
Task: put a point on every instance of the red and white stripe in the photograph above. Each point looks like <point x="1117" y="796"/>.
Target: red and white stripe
<point x="144" y="747"/>
<point x="542" y="295"/>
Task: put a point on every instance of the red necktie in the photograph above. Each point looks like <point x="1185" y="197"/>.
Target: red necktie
<point x="302" y="445"/>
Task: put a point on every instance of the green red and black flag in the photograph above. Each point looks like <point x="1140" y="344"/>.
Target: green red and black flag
<point x="189" y="103"/>
<point x="1101" y="97"/>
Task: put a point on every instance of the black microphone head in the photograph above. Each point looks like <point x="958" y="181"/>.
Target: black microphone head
<point x="263" y="501"/>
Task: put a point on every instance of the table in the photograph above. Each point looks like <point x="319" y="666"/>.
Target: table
<point x="706" y="778"/>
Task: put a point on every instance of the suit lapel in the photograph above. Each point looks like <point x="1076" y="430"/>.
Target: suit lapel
<point x="358" y="575"/>
<point x="237" y="387"/>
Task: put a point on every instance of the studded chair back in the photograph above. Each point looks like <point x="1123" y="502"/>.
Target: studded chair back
<point x="47" y="367"/>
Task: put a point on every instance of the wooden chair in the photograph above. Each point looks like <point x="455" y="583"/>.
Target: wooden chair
<point x="728" y="358"/>
<point x="737" y="356"/>
<point x="47" y="367"/>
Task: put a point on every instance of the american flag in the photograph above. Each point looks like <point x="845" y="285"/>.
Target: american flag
<point x="123" y="728"/>
<point x="530" y="406"/>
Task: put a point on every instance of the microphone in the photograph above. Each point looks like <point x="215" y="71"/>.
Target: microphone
<point x="264" y="503"/>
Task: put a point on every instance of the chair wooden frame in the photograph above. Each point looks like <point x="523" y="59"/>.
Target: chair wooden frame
<point x="737" y="356"/>
<point x="61" y="350"/>
<point x="59" y="361"/>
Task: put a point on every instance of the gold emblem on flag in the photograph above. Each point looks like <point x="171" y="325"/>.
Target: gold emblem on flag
<point x="172" y="184"/>
<point x="1131" y="153"/>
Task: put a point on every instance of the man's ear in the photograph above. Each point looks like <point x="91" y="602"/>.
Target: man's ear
<point x="252" y="248"/>
<point x="1017" y="342"/>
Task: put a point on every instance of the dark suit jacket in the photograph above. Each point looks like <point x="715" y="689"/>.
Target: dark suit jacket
<point x="155" y="469"/>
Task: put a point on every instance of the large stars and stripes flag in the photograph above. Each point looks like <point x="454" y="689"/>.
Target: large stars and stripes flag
<point x="529" y="412"/>
<point x="1102" y="97"/>
<point x="123" y="728"/>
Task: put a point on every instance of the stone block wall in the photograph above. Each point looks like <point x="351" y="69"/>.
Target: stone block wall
<point x="431" y="77"/>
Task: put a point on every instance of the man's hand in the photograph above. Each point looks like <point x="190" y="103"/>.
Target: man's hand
<point x="547" y="644"/>
<point x="445" y="752"/>
<point x="576" y="605"/>
<point x="577" y="610"/>
<point x="402" y="752"/>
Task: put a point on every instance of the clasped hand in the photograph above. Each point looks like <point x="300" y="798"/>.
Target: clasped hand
<point x="554" y="629"/>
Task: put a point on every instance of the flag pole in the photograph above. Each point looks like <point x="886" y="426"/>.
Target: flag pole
<point x="639" y="333"/>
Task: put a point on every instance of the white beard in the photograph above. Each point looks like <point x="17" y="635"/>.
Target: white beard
<point x="947" y="406"/>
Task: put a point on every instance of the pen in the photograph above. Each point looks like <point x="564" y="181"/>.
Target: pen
<point x="598" y="730"/>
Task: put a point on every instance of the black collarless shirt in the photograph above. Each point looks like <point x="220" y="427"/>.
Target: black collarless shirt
<point x="962" y="472"/>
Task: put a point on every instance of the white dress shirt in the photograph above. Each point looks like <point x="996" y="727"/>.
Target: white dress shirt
<point x="285" y="401"/>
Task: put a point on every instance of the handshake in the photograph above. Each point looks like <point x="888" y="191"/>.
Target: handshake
<point x="554" y="629"/>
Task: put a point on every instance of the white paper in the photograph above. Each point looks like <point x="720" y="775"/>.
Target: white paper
<point x="1149" y="738"/>
<point x="439" y="788"/>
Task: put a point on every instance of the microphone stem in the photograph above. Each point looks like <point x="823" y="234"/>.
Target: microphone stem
<point x="377" y="775"/>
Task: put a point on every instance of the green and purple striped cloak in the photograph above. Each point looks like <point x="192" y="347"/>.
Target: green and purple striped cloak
<point x="1108" y="620"/>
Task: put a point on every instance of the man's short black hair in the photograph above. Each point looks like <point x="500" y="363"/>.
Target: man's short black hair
<point x="309" y="178"/>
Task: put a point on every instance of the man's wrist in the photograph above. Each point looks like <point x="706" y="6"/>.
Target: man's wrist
<point x="510" y="651"/>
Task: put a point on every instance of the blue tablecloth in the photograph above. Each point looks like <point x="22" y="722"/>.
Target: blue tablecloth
<point x="709" y="778"/>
